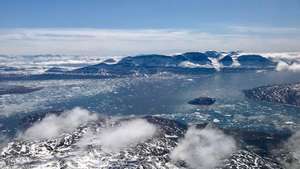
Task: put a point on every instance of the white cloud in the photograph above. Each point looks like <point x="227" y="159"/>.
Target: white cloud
<point x="204" y="149"/>
<point x="188" y="64"/>
<point x="54" y="125"/>
<point x="283" y="66"/>
<point x="293" y="146"/>
<point x="104" y="42"/>
<point x="128" y="133"/>
<point x="283" y="56"/>
<point x="266" y="30"/>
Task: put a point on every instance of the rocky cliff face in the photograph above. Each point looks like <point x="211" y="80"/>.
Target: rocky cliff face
<point x="284" y="94"/>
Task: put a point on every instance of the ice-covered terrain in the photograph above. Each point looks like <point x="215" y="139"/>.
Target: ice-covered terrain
<point x="284" y="94"/>
<point x="148" y="142"/>
<point x="134" y="112"/>
<point x="37" y="64"/>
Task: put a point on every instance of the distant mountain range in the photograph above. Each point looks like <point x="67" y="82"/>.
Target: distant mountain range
<point x="186" y="63"/>
<point x="140" y="65"/>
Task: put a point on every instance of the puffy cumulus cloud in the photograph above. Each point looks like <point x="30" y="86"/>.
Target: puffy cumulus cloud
<point x="120" y="42"/>
<point x="127" y="133"/>
<point x="283" y="66"/>
<point x="204" y="149"/>
<point x="54" y="125"/>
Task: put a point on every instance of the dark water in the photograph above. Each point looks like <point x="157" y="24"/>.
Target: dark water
<point x="165" y="96"/>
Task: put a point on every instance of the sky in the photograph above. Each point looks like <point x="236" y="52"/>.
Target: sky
<point x="122" y="27"/>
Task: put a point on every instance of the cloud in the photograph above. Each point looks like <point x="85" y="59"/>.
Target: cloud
<point x="120" y="42"/>
<point x="188" y="64"/>
<point x="203" y="149"/>
<point x="283" y="56"/>
<point x="293" y="146"/>
<point x="283" y="66"/>
<point x="127" y="133"/>
<point x="265" y="30"/>
<point x="55" y="125"/>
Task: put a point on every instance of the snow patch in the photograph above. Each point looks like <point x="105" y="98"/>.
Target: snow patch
<point x="188" y="64"/>
<point x="215" y="63"/>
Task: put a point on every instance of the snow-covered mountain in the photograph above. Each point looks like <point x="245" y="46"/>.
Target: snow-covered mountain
<point x="60" y="66"/>
<point x="168" y="148"/>
<point x="190" y="62"/>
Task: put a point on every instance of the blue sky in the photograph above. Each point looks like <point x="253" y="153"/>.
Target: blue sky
<point x="244" y="21"/>
<point x="149" y="14"/>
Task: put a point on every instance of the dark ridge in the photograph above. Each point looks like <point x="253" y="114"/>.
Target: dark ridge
<point x="284" y="94"/>
<point x="254" y="60"/>
<point x="212" y="53"/>
<point x="18" y="89"/>
<point x="111" y="60"/>
<point x="194" y="57"/>
<point x="56" y="70"/>
<point x="8" y="68"/>
<point x="227" y="60"/>
<point x="152" y="60"/>
<point x="202" y="101"/>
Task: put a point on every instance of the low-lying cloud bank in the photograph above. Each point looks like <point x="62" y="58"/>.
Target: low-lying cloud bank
<point x="283" y="66"/>
<point x="55" y="125"/>
<point x="127" y="133"/>
<point x="204" y="149"/>
<point x="122" y="42"/>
